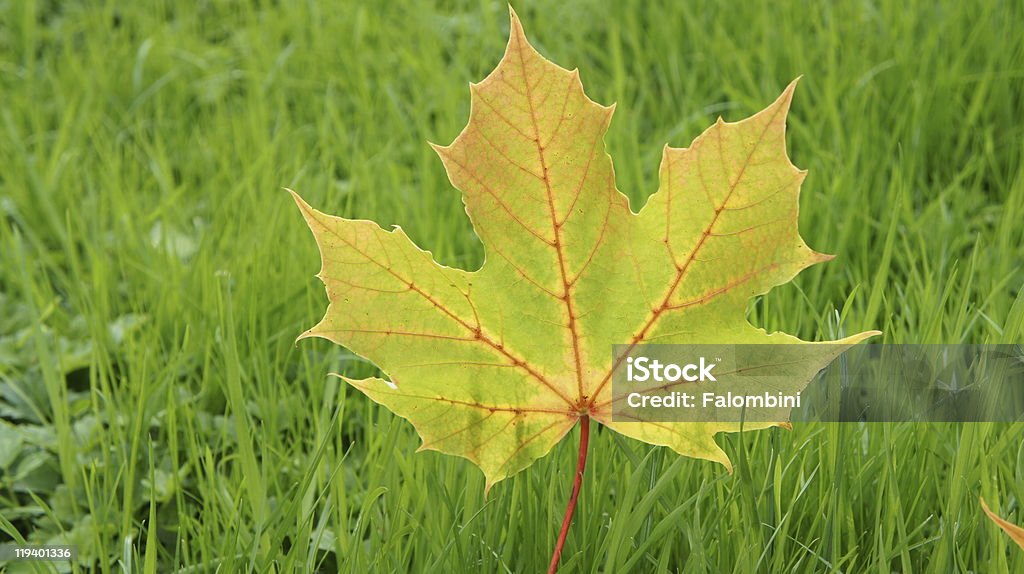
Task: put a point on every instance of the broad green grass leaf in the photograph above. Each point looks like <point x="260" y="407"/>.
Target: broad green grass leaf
<point x="1016" y="532"/>
<point x="497" y="365"/>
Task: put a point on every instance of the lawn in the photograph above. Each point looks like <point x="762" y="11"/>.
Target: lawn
<point x="156" y="411"/>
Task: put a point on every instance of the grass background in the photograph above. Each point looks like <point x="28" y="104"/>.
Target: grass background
<point x="153" y="277"/>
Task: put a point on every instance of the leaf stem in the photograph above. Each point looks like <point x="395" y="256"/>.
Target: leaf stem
<point x="581" y="465"/>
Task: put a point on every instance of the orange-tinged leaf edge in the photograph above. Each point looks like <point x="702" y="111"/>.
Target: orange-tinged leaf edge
<point x="1015" y="532"/>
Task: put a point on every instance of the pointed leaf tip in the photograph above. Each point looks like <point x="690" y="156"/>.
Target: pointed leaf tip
<point x="308" y="212"/>
<point x="823" y="257"/>
<point x="515" y="24"/>
<point x="298" y="198"/>
<point x="785" y="99"/>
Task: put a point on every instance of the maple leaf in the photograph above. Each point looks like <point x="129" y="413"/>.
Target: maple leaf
<point x="1016" y="532"/>
<point x="497" y="365"/>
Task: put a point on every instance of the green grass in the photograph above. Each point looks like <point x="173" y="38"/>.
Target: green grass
<point x="155" y="411"/>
